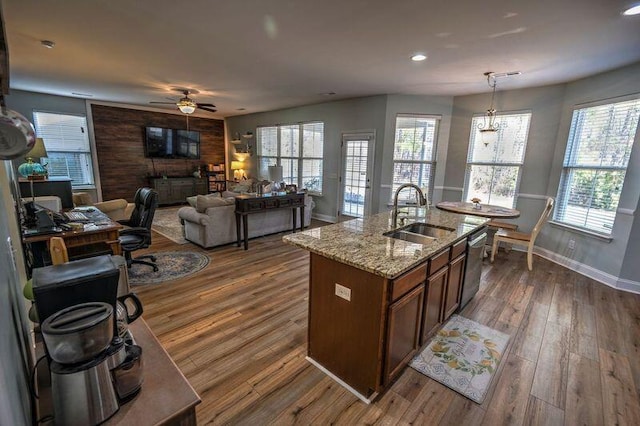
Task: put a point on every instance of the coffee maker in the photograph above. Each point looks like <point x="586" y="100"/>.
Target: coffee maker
<point x="94" y="368"/>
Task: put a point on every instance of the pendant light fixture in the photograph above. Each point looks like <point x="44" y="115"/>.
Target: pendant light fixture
<point x="489" y="131"/>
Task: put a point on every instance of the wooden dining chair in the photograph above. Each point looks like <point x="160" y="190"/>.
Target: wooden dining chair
<point x="58" y="251"/>
<point x="522" y="238"/>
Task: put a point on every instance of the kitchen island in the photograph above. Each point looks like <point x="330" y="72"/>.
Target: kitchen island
<point x="374" y="300"/>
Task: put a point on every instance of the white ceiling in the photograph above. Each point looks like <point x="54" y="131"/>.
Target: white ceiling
<point x="268" y="54"/>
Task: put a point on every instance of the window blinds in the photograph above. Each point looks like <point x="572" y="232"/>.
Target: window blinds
<point x="595" y="164"/>
<point x="62" y="132"/>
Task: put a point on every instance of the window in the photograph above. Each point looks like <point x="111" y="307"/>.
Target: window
<point x="298" y="148"/>
<point x="493" y="171"/>
<point x="595" y="163"/>
<point x="67" y="142"/>
<point x="414" y="153"/>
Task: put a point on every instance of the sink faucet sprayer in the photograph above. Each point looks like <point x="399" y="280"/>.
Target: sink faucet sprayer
<point x="421" y="198"/>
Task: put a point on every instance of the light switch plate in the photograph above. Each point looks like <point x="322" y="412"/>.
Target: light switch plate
<point x="343" y="292"/>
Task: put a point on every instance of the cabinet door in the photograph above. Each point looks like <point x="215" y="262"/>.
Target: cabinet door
<point x="454" y="285"/>
<point x="403" y="332"/>
<point x="201" y="187"/>
<point x="432" y="317"/>
<point x="163" y="188"/>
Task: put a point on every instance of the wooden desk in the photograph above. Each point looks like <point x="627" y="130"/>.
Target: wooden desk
<point x="485" y="210"/>
<point x="247" y="204"/>
<point x="105" y="233"/>
<point x="166" y="397"/>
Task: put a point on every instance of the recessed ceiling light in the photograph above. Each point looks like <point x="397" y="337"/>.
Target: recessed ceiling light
<point x="418" y="57"/>
<point x="634" y="10"/>
<point x="48" y="43"/>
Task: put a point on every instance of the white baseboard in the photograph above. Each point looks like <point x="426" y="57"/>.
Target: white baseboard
<point x="588" y="271"/>
<point x="324" y="217"/>
<point x="342" y="382"/>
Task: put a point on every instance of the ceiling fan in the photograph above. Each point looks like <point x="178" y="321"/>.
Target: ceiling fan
<point x="188" y="105"/>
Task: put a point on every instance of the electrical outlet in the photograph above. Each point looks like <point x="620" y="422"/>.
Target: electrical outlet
<point x="343" y="292"/>
<point x="572" y="244"/>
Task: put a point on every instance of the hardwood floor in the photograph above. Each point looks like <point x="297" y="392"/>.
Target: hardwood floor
<point x="238" y="332"/>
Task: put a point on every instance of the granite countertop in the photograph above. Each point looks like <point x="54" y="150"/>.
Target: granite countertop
<point x="360" y="243"/>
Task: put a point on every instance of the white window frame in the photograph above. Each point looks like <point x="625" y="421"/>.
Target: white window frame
<point x="298" y="160"/>
<point x="476" y="138"/>
<point x="62" y="143"/>
<point x="598" y="226"/>
<point x="408" y="196"/>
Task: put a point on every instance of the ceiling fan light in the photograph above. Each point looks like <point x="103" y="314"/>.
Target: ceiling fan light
<point x="634" y="10"/>
<point x="186" y="106"/>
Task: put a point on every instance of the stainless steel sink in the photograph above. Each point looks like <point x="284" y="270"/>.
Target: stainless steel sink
<point x="428" y="230"/>
<point x="421" y="233"/>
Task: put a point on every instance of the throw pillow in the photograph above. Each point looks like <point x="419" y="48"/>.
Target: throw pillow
<point x="203" y="202"/>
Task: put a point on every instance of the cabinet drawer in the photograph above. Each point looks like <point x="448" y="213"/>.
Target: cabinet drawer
<point x="297" y="201"/>
<point x="409" y="280"/>
<point x="270" y="204"/>
<point x="458" y="248"/>
<point x="438" y="261"/>
<point x="285" y="202"/>
<point x="255" y="205"/>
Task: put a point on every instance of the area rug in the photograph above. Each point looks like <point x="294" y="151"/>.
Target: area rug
<point x="463" y="356"/>
<point x="171" y="265"/>
<point x="167" y="223"/>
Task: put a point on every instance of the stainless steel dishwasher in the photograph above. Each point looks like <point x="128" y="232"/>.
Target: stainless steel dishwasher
<point x="473" y="269"/>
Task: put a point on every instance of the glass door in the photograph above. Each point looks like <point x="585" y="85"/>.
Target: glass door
<point x="357" y="163"/>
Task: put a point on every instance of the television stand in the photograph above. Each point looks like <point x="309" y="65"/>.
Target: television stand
<point x="175" y="190"/>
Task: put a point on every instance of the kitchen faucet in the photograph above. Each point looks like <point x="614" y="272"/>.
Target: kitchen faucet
<point x="422" y="200"/>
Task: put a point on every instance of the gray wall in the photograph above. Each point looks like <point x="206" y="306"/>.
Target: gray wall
<point x="405" y="104"/>
<point x="338" y="117"/>
<point x="376" y="113"/>
<point x="552" y="109"/>
<point x="15" y="354"/>
<point x="601" y="255"/>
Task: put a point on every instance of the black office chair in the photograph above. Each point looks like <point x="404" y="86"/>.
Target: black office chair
<point x="138" y="234"/>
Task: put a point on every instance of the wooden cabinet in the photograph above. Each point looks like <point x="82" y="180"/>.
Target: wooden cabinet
<point x="365" y="329"/>
<point x="176" y="190"/>
<point x="454" y="285"/>
<point x="403" y="332"/>
<point x="432" y="315"/>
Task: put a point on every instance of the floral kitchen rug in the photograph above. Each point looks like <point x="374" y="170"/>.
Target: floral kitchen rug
<point x="463" y="356"/>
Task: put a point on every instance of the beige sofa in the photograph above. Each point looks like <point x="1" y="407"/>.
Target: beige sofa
<point x="215" y="226"/>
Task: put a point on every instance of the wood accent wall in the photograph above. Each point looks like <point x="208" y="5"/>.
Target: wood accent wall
<point x="120" y="148"/>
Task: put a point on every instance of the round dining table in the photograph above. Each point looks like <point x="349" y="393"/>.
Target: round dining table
<point x="485" y="210"/>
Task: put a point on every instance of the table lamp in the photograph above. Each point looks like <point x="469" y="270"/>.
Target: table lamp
<point x="30" y="169"/>
<point x="238" y="171"/>
<point x="275" y="176"/>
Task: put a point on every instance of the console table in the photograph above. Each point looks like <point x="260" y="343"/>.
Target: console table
<point x="247" y="204"/>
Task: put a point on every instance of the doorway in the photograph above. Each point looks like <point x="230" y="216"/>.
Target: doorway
<point x="356" y="174"/>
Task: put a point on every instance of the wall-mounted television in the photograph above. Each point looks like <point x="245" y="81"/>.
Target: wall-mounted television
<point x="161" y="142"/>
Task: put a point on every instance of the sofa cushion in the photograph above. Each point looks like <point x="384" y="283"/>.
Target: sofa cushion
<point x="203" y="202"/>
<point x="192" y="200"/>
